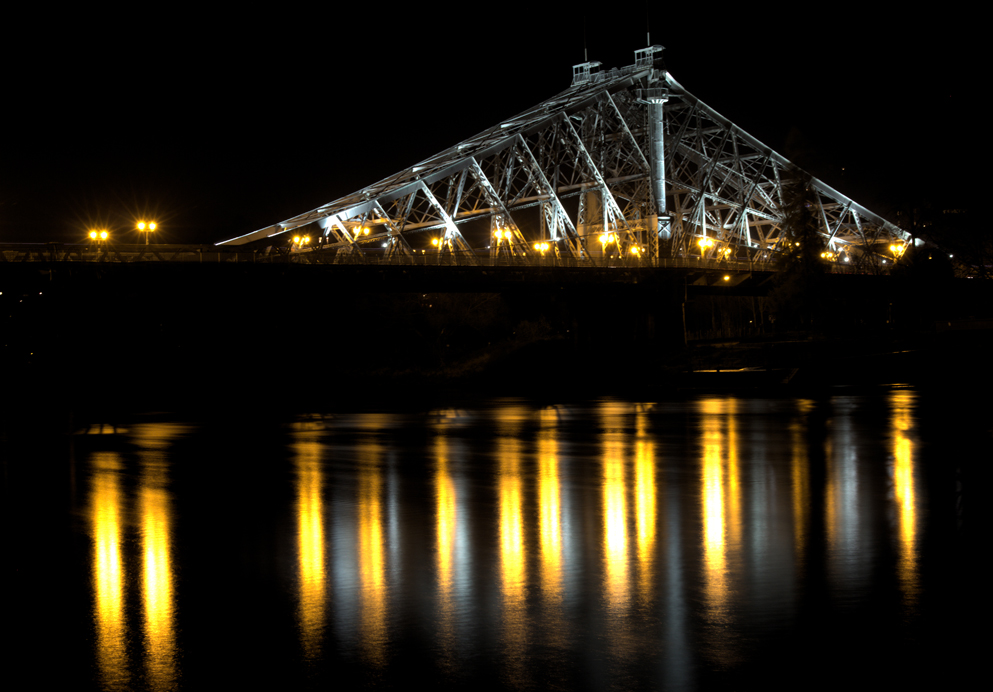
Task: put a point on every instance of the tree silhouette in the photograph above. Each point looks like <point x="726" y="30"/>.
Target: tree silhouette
<point x="797" y="298"/>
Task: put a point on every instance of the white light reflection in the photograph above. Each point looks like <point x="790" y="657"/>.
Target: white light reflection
<point x="849" y="535"/>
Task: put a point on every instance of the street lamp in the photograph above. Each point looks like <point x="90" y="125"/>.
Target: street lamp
<point x="608" y="238"/>
<point x="146" y="228"/>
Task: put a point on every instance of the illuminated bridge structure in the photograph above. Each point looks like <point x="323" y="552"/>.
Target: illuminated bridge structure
<point x="623" y="167"/>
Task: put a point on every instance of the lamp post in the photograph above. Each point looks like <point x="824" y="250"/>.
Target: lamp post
<point x="705" y="245"/>
<point x="146" y="228"/>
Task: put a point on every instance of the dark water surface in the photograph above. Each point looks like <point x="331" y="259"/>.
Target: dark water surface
<point x="710" y="542"/>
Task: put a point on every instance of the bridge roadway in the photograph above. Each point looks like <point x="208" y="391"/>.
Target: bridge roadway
<point x="427" y="273"/>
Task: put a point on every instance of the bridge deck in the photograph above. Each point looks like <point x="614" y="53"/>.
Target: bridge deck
<point x="200" y="254"/>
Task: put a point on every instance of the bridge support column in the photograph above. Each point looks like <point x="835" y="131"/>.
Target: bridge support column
<point x="655" y="98"/>
<point x="656" y="133"/>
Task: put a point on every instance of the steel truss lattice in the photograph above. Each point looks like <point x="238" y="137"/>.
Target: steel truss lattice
<point x="580" y="177"/>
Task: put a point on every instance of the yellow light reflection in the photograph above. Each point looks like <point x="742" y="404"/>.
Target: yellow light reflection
<point x="108" y="572"/>
<point x="513" y="573"/>
<point x="615" y="524"/>
<point x="713" y="508"/>
<point x="372" y="553"/>
<point x="310" y="544"/>
<point x="157" y="436"/>
<point x="644" y="506"/>
<point x="721" y="502"/>
<point x="800" y="477"/>
<point x="831" y="496"/>
<point x="157" y="583"/>
<point x="446" y="523"/>
<point x="511" y="523"/>
<point x="905" y="491"/>
<point x="549" y="510"/>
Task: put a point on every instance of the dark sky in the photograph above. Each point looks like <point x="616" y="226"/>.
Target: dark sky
<point x="220" y="125"/>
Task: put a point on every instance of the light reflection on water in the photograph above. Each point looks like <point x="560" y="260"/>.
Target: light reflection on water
<point x="310" y="537"/>
<point x="645" y="492"/>
<point x="157" y="582"/>
<point x="905" y="491"/>
<point x="850" y="535"/>
<point x="106" y="508"/>
<point x="606" y="546"/>
<point x="615" y="516"/>
<point x="550" y="533"/>
<point x="446" y="548"/>
<point x="373" y="590"/>
<point x="113" y="515"/>
<point x="513" y="569"/>
<point x="800" y="484"/>
<point x="549" y="511"/>
<point x="721" y="509"/>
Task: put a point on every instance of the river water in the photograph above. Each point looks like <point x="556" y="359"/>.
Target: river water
<point x="699" y="543"/>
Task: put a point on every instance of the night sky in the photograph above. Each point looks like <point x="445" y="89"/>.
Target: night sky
<point x="219" y="125"/>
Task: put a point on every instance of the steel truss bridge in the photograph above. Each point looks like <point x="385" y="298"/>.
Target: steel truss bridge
<point x="625" y="166"/>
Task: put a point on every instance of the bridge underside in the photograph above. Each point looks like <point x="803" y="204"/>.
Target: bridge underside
<point x="623" y="167"/>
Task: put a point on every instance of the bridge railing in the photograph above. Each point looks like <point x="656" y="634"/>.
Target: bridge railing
<point x="118" y="253"/>
<point x="59" y="252"/>
<point x="455" y="260"/>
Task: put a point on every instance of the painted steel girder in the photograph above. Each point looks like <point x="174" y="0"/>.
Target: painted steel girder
<point x="590" y="141"/>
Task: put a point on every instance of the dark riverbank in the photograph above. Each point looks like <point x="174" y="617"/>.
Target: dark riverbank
<point x="114" y="339"/>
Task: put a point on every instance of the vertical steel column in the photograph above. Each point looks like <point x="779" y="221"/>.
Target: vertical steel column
<point x="656" y="99"/>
